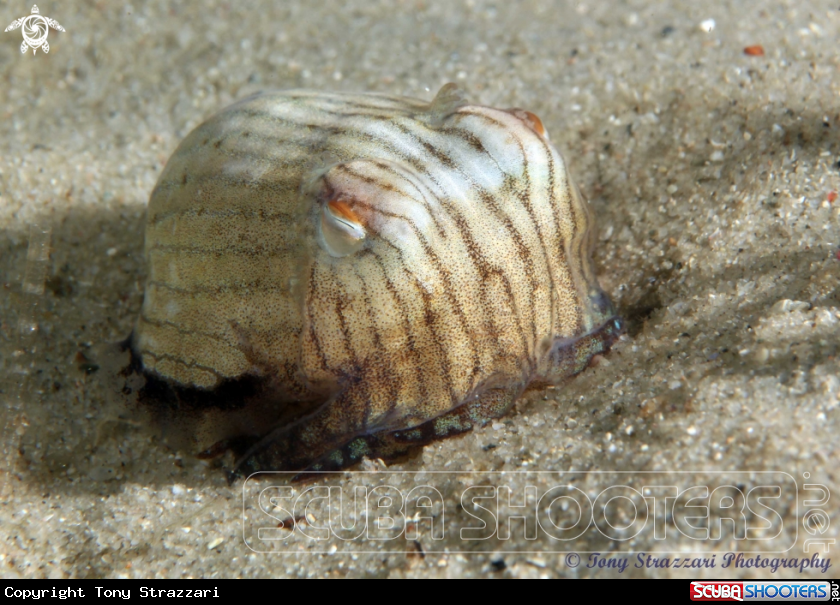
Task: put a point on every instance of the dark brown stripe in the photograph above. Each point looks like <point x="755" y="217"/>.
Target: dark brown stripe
<point x="428" y="317"/>
<point x="523" y="196"/>
<point x="180" y="330"/>
<point x="227" y="213"/>
<point x="222" y="288"/>
<point x="312" y="332"/>
<point x="390" y="169"/>
<point x="444" y="274"/>
<point x="489" y="200"/>
<point x="418" y="370"/>
<point x="452" y="165"/>
<point x="229" y="249"/>
<point x="392" y="384"/>
<point x="284" y="183"/>
<point x="179" y="361"/>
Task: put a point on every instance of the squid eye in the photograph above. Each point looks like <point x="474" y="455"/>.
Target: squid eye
<point x="342" y="233"/>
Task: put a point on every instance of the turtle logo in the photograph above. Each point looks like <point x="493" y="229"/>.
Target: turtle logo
<point x="35" y="30"/>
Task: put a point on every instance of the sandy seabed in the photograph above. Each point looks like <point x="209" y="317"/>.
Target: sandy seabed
<point x="713" y="173"/>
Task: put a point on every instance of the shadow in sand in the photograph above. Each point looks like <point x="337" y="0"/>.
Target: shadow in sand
<point x="72" y="432"/>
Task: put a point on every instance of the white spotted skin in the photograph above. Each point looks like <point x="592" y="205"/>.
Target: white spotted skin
<point x="384" y="257"/>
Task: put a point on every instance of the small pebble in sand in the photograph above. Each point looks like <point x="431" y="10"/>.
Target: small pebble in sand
<point x="756" y="50"/>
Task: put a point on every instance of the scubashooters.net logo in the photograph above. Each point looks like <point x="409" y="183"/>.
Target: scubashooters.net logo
<point x="764" y="591"/>
<point x="35" y="29"/>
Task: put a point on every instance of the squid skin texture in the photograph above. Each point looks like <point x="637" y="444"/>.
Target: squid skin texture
<point x="333" y="276"/>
